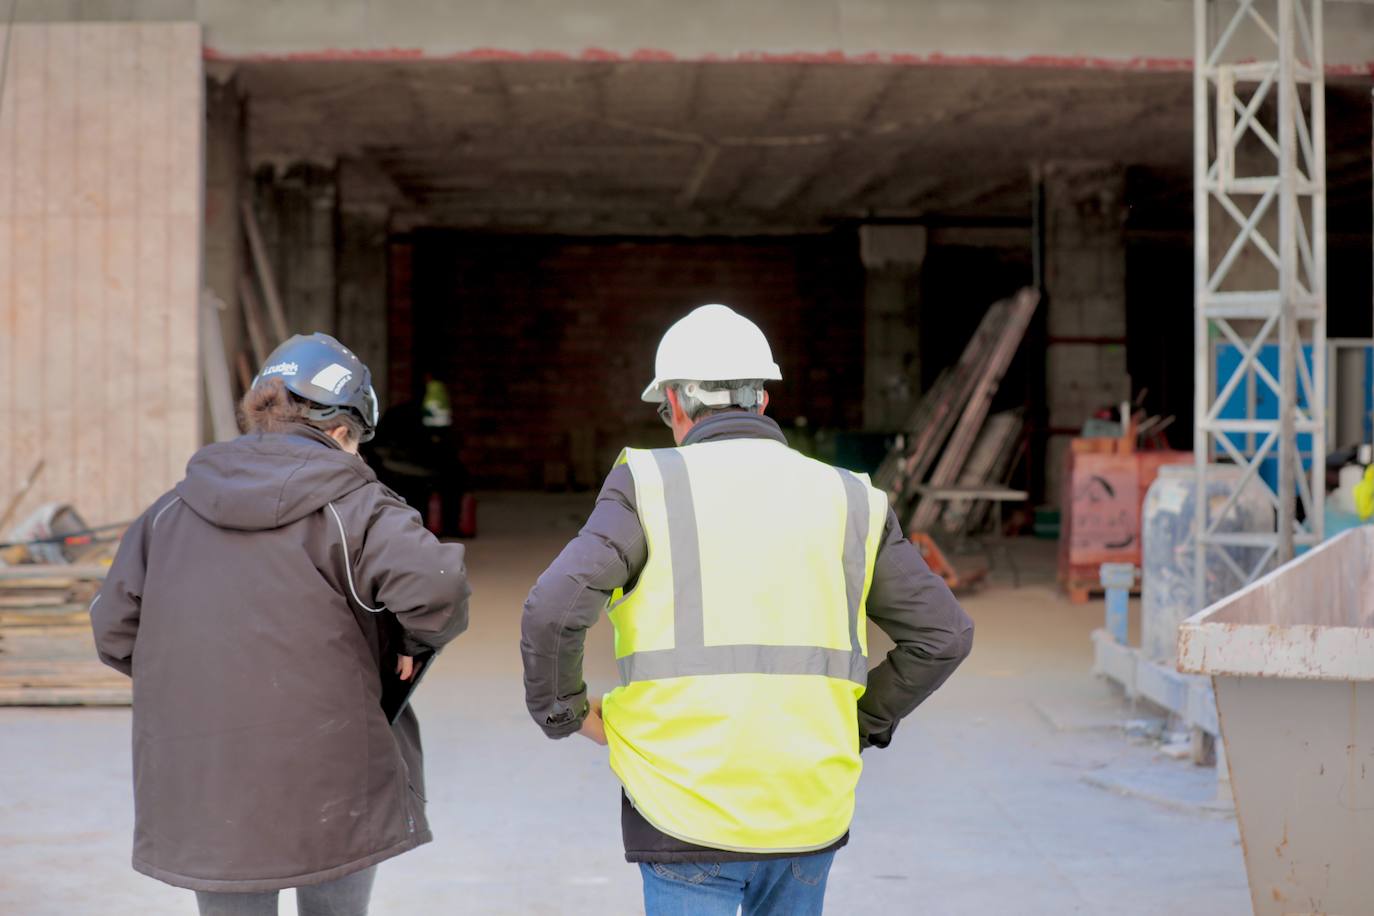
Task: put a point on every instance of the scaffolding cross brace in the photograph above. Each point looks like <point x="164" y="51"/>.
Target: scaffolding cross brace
<point x="1259" y="189"/>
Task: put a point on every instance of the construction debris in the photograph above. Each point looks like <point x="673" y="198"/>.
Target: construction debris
<point x="47" y="654"/>
<point x="950" y="430"/>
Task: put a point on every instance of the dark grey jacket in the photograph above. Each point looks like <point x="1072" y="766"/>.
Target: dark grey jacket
<point x="258" y="607"/>
<point x="907" y="601"/>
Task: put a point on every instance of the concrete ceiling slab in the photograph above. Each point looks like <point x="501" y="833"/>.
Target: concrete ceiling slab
<point x="714" y="147"/>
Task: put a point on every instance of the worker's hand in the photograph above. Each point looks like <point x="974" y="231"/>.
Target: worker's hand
<point x="405" y="666"/>
<point x="592" y="726"/>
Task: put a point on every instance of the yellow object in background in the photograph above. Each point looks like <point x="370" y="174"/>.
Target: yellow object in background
<point x="1364" y="495"/>
<point x="437" y="410"/>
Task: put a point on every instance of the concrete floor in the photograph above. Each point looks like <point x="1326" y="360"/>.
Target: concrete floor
<point x="980" y="806"/>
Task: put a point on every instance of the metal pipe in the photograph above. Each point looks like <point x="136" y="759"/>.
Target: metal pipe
<point x="1202" y="381"/>
<point x="1288" y="257"/>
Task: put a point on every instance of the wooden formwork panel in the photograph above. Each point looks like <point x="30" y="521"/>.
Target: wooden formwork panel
<point x="101" y="129"/>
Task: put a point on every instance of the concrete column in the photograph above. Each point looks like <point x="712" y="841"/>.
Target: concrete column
<point x="225" y="172"/>
<point x="893" y="256"/>
<point x="296" y="212"/>
<point x="360" y="272"/>
<point x="1085" y="279"/>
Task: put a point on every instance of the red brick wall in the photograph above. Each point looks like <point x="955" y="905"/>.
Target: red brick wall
<point x="546" y="343"/>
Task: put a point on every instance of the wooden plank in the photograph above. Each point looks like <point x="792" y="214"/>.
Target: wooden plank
<point x="997" y="432"/>
<point x="266" y="277"/>
<point x="42" y="644"/>
<point x="218" y="383"/>
<point x="49" y="632"/>
<point x="962" y="385"/>
<point x="85" y="670"/>
<point x="45" y="585"/>
<point x="90" y="675"/>
<point x="35" y="601"/>
<point x="971" y="420"/>
<point x="63" y="614"/>
<point x="891" y="474"/>
<point x="88" y="678"/>
<point x="938" y="411"/>
<point x="51" y="571"/>
<point x="252" y="318"/>
<point x="66" y="696"/>
<point x="1000" y="473"/>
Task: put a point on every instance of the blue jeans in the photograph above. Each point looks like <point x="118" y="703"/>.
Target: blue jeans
<point x="769" y="887"/>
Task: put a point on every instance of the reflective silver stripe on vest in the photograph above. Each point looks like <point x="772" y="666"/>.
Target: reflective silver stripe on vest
<point x="685" y="549"/>
<point x="855" y="551"/>
<point x="658" y="664"/>
<point x="690" y="656"/>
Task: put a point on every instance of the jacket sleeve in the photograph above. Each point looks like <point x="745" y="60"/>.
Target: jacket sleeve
<point x="609" y="552"/>
<point x="933" y="635"/>
<point x="406" y="570"/>
<point x="116" y="608"/>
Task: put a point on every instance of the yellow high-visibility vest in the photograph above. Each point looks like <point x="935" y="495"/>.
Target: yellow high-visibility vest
<point x="742" y="647"/>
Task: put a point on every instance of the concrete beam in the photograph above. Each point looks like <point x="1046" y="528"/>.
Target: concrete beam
<point x="1077" y="34"/>
<point x="893" y="256"/>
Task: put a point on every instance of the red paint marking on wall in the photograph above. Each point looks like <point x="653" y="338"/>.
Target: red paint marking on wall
<point x="642" y="55"/>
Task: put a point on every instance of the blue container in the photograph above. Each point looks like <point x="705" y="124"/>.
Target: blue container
<point x="1117" y="580"/>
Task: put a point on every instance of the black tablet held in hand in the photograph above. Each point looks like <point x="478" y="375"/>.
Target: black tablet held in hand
<point x="396" y="693"/>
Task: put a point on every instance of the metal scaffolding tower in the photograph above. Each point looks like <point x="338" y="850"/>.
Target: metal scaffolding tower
<point x="1259" y="200"/>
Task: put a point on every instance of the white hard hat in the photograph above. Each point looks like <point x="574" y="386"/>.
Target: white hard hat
<point x="711" y="344"/>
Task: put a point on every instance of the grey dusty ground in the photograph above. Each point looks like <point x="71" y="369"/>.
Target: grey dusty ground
<point x="980" y="806"/>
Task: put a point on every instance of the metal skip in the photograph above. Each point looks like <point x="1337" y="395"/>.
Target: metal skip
<point x="1292" y="660"/>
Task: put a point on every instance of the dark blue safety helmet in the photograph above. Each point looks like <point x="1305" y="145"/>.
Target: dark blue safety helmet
<point x="319" y="369"/>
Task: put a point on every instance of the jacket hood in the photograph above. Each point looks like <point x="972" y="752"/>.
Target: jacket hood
<point x="263" y="481"/>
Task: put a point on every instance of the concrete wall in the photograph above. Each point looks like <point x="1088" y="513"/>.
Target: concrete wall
<point x="225" y="183"/>
<point x="100" y="234"/>
<point x="1085" y="278"/>
<point x="296" y="212"/>
<point x="892" y="257"/>
<point x="329" y="255"/>
<point x="360" y="290"/>
<point x="1148" y="34"/>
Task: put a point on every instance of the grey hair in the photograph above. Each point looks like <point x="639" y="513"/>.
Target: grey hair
<point x="695" y="408"/>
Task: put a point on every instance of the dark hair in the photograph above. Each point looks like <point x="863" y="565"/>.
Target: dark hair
<point x="269" y="408"/>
